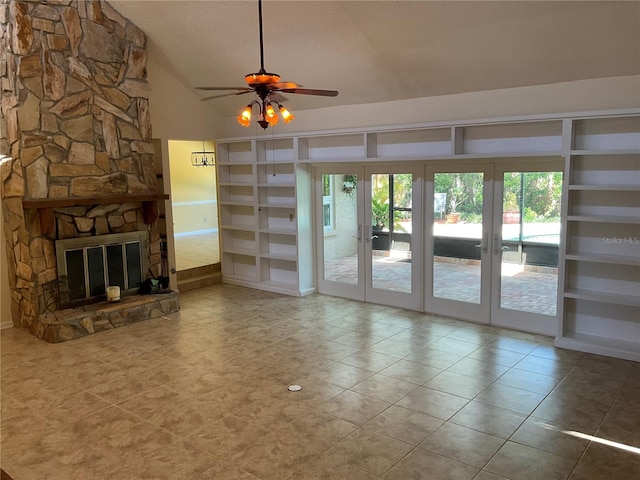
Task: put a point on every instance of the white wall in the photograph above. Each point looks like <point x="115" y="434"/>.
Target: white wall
<point x="176" y="114"/>
<point x="578" y="96"/>
<point x="176" y="110"/>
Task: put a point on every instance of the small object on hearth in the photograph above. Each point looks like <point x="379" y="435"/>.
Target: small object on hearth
<point x="113" y="294"/>
<point x="294" y="388"/>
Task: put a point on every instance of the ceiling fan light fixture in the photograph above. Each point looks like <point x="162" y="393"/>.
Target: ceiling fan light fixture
<point x="244" y="118"/>
<point x="287" y="116"/>
<point x="271" y="116"/>
<point x="261" y="78"/>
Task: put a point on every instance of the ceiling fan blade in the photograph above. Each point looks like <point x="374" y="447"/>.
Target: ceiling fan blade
<point x="225" y="95"/>
<point x="283" y="85"/>
<point x="277" y="97"/>
<point x="309" y="91"/>
<point x="222" y="88"/>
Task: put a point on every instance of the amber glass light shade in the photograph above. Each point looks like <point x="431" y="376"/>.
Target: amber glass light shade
<point x="270" y="115"/>
<point x="244" y="118"/>
<point x="287" y="116"/>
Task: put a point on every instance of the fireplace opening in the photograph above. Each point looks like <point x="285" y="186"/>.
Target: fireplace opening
<point x="88" y="265"/>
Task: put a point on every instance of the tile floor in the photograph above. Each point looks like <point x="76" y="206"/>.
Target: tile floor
<point x="197" y="250"/>
<point x="387" y="394"/>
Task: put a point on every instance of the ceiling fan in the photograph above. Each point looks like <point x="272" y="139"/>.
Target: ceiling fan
<point x="264" y="84"/>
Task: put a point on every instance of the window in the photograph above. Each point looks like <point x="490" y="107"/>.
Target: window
<point x="327" y="202"/>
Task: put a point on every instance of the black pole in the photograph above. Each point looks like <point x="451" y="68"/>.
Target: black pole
<point x="391" y="210"/>
<point x="261" y="42"/>
<point x="520" y="246"/>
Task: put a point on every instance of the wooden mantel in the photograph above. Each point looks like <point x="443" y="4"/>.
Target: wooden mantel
<point x="45" y="206"/>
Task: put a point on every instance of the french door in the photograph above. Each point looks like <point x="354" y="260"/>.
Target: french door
<point x="369" y="234"/>
<point x="492" y="243"/>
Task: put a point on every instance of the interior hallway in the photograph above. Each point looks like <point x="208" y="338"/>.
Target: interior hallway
<point x="386" y="393"/>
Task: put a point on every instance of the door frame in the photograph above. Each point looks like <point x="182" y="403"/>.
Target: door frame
<point x="475" y="312"/>
<point x="489" y="310"/>
<point x="503" y="317"/>
<point x="364" y="290"/>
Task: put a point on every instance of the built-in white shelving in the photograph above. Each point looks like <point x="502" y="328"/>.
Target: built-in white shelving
<point x="602" y="249"/>
<point x="266" y="204"/>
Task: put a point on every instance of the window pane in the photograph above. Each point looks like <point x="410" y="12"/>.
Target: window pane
<point x="115" y="266"/>
<point x="134" y="266"/>
<point x="75" y="274"/>
<point x="326" y="185"/>
<point x="326" y="215"/>
<point x="95" y="263"/>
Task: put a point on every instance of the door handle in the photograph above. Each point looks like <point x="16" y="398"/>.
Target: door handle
<point x="485" y="242"/>
<point x="498" y="248"/>
<point x="496" y="244"/>
<point x="374" y="236"/>
<point x="369" y="237"/>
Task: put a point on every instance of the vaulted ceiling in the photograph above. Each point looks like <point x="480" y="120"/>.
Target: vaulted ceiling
<point x="374" y="51"/>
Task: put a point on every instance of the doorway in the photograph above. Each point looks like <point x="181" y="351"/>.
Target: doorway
<point x="492" y="254"/>
<point x="367" y="224"/>
<point x="485" y="249"/>
<point x="194" y="205"/>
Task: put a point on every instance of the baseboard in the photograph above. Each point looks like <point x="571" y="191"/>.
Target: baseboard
<point x="195" y="232"/>
<point x="4" y="325"/>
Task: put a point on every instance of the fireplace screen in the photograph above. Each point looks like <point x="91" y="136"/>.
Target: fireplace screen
<point x="91" y="264"/>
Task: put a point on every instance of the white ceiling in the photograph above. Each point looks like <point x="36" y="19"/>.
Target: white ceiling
<point x="373" y="51"/>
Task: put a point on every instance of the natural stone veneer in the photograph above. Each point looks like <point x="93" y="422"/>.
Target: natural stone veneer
<point x="64" y="325"/>
<point x="74" y="124"/>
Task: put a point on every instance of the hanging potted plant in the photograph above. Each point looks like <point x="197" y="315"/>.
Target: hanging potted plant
<point x="349" y="183"/>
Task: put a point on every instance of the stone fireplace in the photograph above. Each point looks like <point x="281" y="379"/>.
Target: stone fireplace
<point x="76" y="156"/>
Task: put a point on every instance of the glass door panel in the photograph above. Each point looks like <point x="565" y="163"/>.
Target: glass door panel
<point x="391" y="221"/>
<point x="458" y="275"/>
<point x="365" y="222"/>
<point x="340" y="231"/>
<point x="339" y="226"/>
<point x="457" y="234"/>
<point x="526" y="256"/>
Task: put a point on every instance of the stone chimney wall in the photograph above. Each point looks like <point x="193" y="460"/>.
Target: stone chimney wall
<point x="74" y="124"/>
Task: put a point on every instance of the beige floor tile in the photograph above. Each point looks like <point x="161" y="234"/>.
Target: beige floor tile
<point x="435" y="358"/>
<point x="484" y="475"/>
<point x="385" y="388"/>
<point x="514" y="399"/>
<point x="274" y="457"/>
<point x="457" y="384"/>
<point x="462" y="444"/>
<point x="432" y="402"/>
<point x="488" y="419"/>
<point x="354" y="407"/>
<point x="369" y="451"/>
<point x="601" y="462"/>
<point x="520" y="462"/>
<point x="370" y="360"/>
<point x="421" y="464"/>
<point x="202" y="394"/>
<point x="454" y="346"/>
<point x="551" y="438"/>
<point x="532" y="382"/>
<point x="320" y="431"/>
<point x="324" y="467"/>
<point x="404" y="424"/>
<point x="411" y="372"/>
<point x="478" y="369"/>
<point x="343" y="375"/>
<point x="496" y="355"/>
